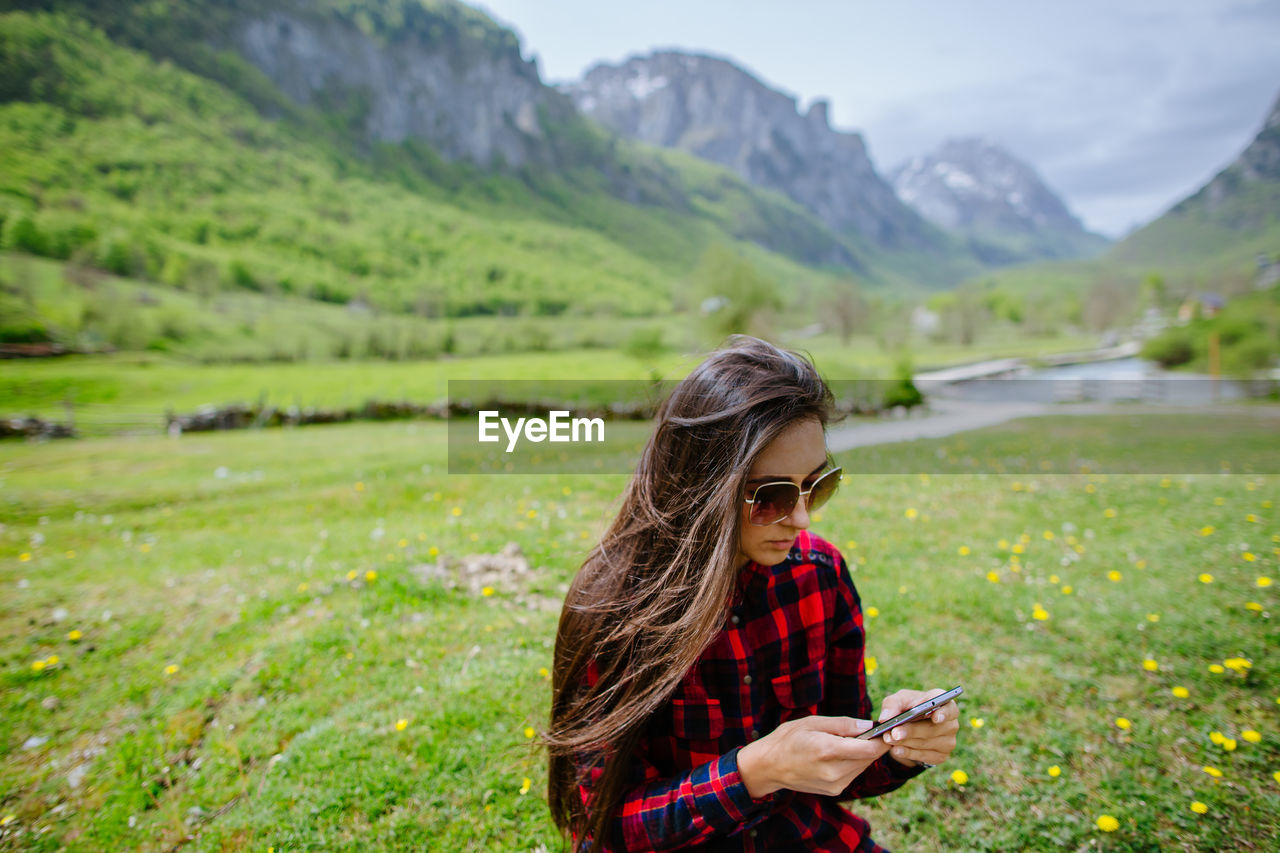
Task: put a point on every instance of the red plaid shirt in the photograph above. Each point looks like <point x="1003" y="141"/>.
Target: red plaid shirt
<point x="792" y="645"/>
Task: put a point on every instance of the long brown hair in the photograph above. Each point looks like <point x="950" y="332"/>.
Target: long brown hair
<point x="651" y="596"/>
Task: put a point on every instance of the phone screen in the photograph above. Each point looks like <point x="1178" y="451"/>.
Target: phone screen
<point x="911" y="714"/>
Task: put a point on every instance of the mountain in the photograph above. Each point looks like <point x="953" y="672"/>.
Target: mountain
<point x="394" y="153"/>
<point x="1225" y="224"/>
<point x="715" y="110"/>
<point x="996" y="201"/>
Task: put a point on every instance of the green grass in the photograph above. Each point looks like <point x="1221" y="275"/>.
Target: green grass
<point x="193" y="553"/>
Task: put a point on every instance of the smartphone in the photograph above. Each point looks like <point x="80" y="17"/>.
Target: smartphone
<point x="911" y="714"/>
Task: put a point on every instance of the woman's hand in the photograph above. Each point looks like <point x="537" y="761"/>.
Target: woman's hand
<point x="814" y="755"/>
<point x="931" y="739"/>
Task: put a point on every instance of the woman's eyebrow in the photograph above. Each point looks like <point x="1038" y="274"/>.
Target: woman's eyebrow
<point x="771" y="477"/>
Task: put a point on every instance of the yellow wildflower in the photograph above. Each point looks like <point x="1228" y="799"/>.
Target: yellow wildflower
<point x="977" y="722"/>
<point x="370" y="575"/>
<point x="74" y="635"/>
<point x="524" y="787"/>
<point x="959" y="777"/>
<point x="487" y="591"/>
<point x="1109" y="512"/>
<point x="457" y="510"/>
<point x="52" y="660"/>
<point x="433" y="551"/>
<point x="1217" y="668"/>
<point x="1039" y="613"/>
<point x="401" y="724"/>
<point x="8" y="819"/>
<point x="1048" y="534"/>
<point x="1153" y="617"/>
<point x="873" y="612"/>
<point x="1199" y="807"/>
<point x="1149" y="665"/>
<point x="1114" y="576"/>
<point x="1107" y="823"/>
<point x="1217" y="738"/>
<point x="1017" y="548"/>
<point x="37" y="665"/>
<point x="1206" y="530"/>
<point x="1251" y="736"/>
<point x="544" y="672"/>
<point x="1248" y="556"/>
<point x="1253" y="605"/>
<point x="403" y="543"/>
<point x="1002" y="544"/>
<point x="1181" y="692"/>
<point x="1066" y="590"/>
<point x="1205" y="577"/>
<point x="1212" y="771"/>
<point x="871" y="664"/>
<point x="1141" y="564"/>
<point x="533" y="513"/>
<point x="1054" y="579"/>
<point x="994" y="577"/>
<point x="1123" y="724"/>
<point x="1055" y="771"/>
<point x="1229" y="744"/>
<point x="963" y="550"/>
<point x="1263" y="580"/>
<point x="359" y="487"/>
<point x="25" y="556"/>
<point x="1237" y="664"/>
<point x="171" y="669"/>
<point x="351" y="575"/>
<point x="529" y="732"/>
<point x="911" y="512"/>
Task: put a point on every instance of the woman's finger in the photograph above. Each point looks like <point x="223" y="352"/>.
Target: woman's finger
<point x="918" y="730"/>
<point x="928" y="756"/>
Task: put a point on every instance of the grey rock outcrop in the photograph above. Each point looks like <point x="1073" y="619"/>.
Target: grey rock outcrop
<point x="715" y="110"/>
<point x="467" y="92"/>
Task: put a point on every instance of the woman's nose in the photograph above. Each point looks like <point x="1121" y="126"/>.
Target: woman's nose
<point x="799" y="516"/>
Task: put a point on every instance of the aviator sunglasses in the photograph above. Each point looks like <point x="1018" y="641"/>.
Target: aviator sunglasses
<point x="773" y="502"/>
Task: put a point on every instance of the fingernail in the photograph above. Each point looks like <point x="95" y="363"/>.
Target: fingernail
<point x="862" y="725"/>
<point x="899" y="751"/>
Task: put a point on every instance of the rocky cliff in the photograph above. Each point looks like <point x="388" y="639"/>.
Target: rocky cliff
<point x="716" y="110"/>
<point x="451" y="80"/>
<point x="978" y="189"/>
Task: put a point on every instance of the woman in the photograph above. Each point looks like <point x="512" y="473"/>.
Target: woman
<point x="709" y="659"/>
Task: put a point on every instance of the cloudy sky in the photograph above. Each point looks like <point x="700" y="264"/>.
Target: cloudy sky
<point x="1123" y="107"/>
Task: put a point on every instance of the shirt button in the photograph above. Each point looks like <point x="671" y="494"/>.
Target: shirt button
<point x="753" y="833"/>
<point x="755" y="734"/>
<point x="734" y="619"/>
<point x="746" y="679"/>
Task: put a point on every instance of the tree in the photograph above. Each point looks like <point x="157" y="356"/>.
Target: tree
<point x="846" y="306"/>
<point x="735" y="297"/>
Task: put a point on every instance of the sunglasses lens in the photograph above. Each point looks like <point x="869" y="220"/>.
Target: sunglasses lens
<point x="773" y="502"/>
<point x="824" y="489"/>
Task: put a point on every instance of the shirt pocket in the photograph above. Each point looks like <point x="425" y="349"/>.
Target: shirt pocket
<point x="697" y="719"/>
<point x="802" y="689"/>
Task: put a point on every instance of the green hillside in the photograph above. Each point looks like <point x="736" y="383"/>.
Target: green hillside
<point x="126" y="163"/>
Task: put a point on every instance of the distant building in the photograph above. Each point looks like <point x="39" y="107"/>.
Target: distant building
<point x="924" y="321"/>
<point x="1208" y="303"/>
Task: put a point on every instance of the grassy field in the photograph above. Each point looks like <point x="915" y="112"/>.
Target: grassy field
<point x="225" y="636"/>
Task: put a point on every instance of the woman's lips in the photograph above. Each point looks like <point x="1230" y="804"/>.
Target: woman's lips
<point x="781" y="543"/>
